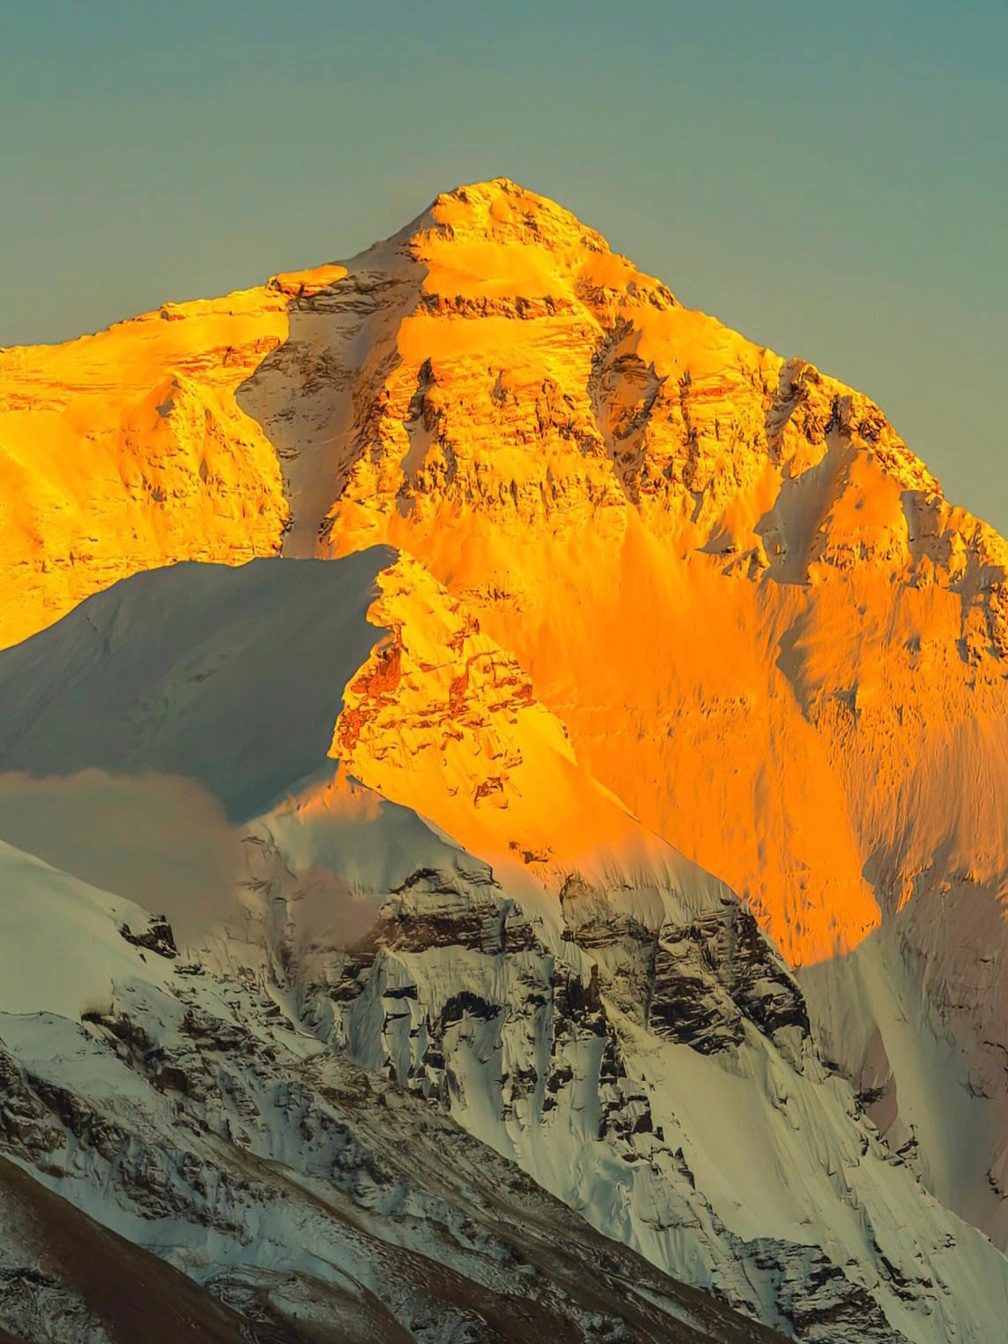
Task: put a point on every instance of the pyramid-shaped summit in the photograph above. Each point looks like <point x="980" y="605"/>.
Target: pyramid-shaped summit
<point x="661" y="773"/>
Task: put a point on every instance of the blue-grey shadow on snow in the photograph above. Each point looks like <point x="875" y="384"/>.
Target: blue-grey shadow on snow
<point x="232" y="677"/>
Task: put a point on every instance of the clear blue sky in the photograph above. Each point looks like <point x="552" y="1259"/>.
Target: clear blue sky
<point x="829" y="178"/>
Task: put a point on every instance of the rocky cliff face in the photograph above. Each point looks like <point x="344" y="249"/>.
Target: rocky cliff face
<point x="727" y="560"/>
<point x="546" y="1051"/>
<point x="646" y="596"/>
<point x="307" y="1200"/>
<point x="603" y="1015"/>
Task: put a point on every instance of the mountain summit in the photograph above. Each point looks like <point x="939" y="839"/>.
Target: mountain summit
<point x="647" y="724"/>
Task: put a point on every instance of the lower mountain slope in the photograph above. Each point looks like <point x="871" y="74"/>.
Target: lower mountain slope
<point x="305" y="1202"/>
<point x="62" y="1277"/>
<point x="763" y="625"/>
<point x="432" y="888"/>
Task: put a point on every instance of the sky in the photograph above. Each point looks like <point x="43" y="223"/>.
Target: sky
<point x="828" y="178"/>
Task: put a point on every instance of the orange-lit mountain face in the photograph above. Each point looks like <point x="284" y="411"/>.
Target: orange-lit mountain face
<point x="126" y="450"/>
<point x="651" y="573"/>
<point x="762" y="623"/>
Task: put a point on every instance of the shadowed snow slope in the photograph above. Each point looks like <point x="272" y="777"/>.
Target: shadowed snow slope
<point x="577" y="582"/>
<point x="228" y="677"/>
<point x="191" y="1114"/>
<point x="568" y="987"/>
<point x="65" y="952"/>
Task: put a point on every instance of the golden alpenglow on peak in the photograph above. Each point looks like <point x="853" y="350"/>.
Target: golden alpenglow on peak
<point x="501" y="211"/>
<point x="606" y="750"/>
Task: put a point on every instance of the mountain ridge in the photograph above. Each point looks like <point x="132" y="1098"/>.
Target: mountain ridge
<point x="652" y="581"/>
<point x="596" y="1032"/>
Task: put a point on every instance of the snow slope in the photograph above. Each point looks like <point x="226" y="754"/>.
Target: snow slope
<point x="660" y="593"/>
<point x="41" y="958"/>
<point x="192" y="1116"/>
<point x="201" y="693"/>
<point x="605" y="1016"/>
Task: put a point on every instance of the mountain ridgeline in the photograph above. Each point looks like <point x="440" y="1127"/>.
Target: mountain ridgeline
<point x="503" y="778"/>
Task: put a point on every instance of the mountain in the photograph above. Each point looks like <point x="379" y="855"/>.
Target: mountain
<point x="188" y="1112"/>
<point x="607" y="761"/>
<point x="59" y="1267"/>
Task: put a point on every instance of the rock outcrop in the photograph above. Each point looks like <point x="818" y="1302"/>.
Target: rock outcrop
<point x="611" y="592"/>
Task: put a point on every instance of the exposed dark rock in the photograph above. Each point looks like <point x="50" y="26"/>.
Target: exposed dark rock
<point x="156" y="937"/>
<point x="463" y="1005"/>
<point x="26" y="1123"/>
<point x="688" y="1005"/>
<point x="712" y="972"/>
<point x="818" y="1299"/>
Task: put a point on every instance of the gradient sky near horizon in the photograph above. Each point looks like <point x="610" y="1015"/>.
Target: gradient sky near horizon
<point x="829" y="179"/>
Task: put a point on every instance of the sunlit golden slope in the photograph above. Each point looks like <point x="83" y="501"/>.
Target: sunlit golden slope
<point x="724" y="571"/>
<point x="762" y="625"/>
<point x="444" y="720"/>
<point x="126" y="450"/>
